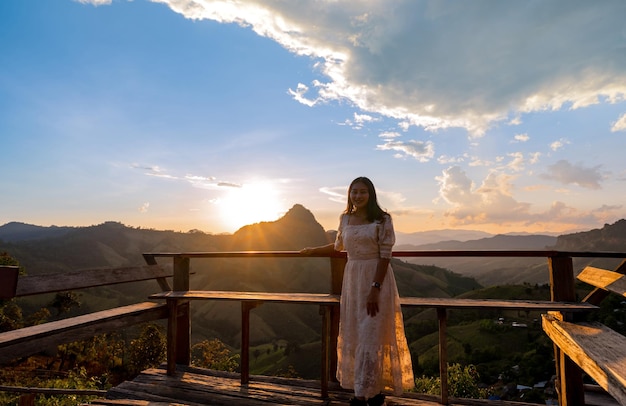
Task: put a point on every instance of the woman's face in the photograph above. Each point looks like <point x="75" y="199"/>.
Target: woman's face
<point x="359" y="195"/>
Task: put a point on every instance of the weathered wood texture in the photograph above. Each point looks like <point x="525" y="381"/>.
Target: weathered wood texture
<point x="323" y="298"/>
<point x="197" y="386"/>
<point x="598" y="350"/>
<point x="250" y="300"/>
<point x="601" y="278"/>
<point x="8" y="281"/>
<point x="88" y="278"/>
<point x="31" y="340"/>
<point x="302" y="298"/>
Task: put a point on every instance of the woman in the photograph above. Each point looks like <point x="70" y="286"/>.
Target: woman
<point x="372" y="351"/>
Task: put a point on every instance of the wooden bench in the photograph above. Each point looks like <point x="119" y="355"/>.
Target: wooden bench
<point x="594" y="347"/>
<point x="250" y="300"/>
<point x="30" y="340"/>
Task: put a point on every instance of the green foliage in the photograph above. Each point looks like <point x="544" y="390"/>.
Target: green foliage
<point x="463" y="382"/>
<point x="74" y="379"/>
<point x="11" y="317"/>
<point x="63" y="302"/>
<point x="6" y="259"/>
<point x="148" y="350"/>
<point x="290" y="372"/>
<point x="214" y="354"/>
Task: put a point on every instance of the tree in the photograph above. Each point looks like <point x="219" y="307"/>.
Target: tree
<point x="462" y="383"/>
<point x="148" y="350"/>
<point x="214" y="354"/>
<point x="63" y="302"/>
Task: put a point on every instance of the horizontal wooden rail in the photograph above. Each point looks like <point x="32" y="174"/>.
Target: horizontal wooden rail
<point x="29" y="285"/>
<point x="397" y="254"/>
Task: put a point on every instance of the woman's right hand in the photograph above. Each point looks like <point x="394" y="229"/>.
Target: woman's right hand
<point x="306" y="251"/>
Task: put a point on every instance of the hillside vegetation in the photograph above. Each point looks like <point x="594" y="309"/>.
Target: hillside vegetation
<point x="286" y="337"/>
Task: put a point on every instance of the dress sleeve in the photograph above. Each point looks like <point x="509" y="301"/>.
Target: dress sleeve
<point x="339" y="238"/>
<point x="386" y="237"/>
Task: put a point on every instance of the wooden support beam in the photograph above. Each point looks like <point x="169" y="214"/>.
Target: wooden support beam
<point x="442" y="316"/>
<point x="569" y="383"/>
<point x="183" y="319"/>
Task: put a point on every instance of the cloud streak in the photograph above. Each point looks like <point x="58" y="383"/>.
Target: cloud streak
<point x="567" y="173"/>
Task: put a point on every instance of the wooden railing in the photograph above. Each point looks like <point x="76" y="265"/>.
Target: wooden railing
<point x="26" y="341"/>
<point x="562" y="292"/>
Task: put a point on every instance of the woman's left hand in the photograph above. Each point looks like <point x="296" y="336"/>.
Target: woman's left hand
<point x="372" y="302"/>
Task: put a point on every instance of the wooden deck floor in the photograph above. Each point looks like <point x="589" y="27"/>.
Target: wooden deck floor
<point x="200" y="387"/>
<point x="196" y="386"/>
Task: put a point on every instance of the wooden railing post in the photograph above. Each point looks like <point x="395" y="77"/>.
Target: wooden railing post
<point x="183" y="316"/>
<point x="569" y="383"/>
<point x="337" y="265"/>
<point x="8" y="281"/>
<point x="442" y="316"/>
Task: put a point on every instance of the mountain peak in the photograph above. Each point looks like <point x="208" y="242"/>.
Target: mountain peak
<point x="298" y="213"/>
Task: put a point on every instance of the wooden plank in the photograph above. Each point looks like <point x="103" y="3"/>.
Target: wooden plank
<point x="31" y="340"/>
<point x="456" y="303"/>
<point x="323" y="298"/>
<point x="88" y="278"/>
<point x="306" y="298"/>
<point x="598" y="350"/>
<point x="607" y="280"/>
<point x="219" y="388"/>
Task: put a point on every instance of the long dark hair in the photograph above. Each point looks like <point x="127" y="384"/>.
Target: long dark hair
<point x="374" y="211"/>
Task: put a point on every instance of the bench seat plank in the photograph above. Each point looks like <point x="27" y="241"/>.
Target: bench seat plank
<point x="595" y="348"/>
<point x="457" y="303"/>
<point x="310" y="298"/>
<point x="30" y="340"/>
<point x="323" y="298"/>
<point x="603" y="279"/>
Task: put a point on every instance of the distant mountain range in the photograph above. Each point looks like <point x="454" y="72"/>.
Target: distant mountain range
<point x="56" y="248"/>
<point x="112" y="244"/>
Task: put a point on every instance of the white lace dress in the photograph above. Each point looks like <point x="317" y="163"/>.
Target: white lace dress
<point x="372" y="352"/>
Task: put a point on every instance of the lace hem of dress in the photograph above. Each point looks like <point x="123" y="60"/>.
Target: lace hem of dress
<point x="371" y="371"/>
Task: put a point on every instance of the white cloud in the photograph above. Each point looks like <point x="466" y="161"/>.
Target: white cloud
<point x="490" y="202"/>
<point x="534" y="157"/>
<point x="493" y="203"/>
<point x="517" y="161"/>
<point x="144" y="207"/>
<point x="564" y="172"/>
<point x="335" y="194"/>
<point x="389" y="134"/>
<point x="556" y="145"/>
<point x="620" y="124"/>
<point x="420" y="150"/>
<point x="455" y="64"/>
<point x="520" y="138"/>
<point x="95" y="2"/>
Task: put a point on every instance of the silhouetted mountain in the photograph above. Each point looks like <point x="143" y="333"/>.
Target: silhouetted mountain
<point x="501" y="271"/>
<point x="611" y="237"/>
<point x="16" y="231"/>
<point x="295" y="230"/>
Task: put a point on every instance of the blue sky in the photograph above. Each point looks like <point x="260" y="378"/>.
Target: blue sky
<point x="181" y="114"/>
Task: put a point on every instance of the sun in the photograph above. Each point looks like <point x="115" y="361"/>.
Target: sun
<point x="249" y="204"/>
